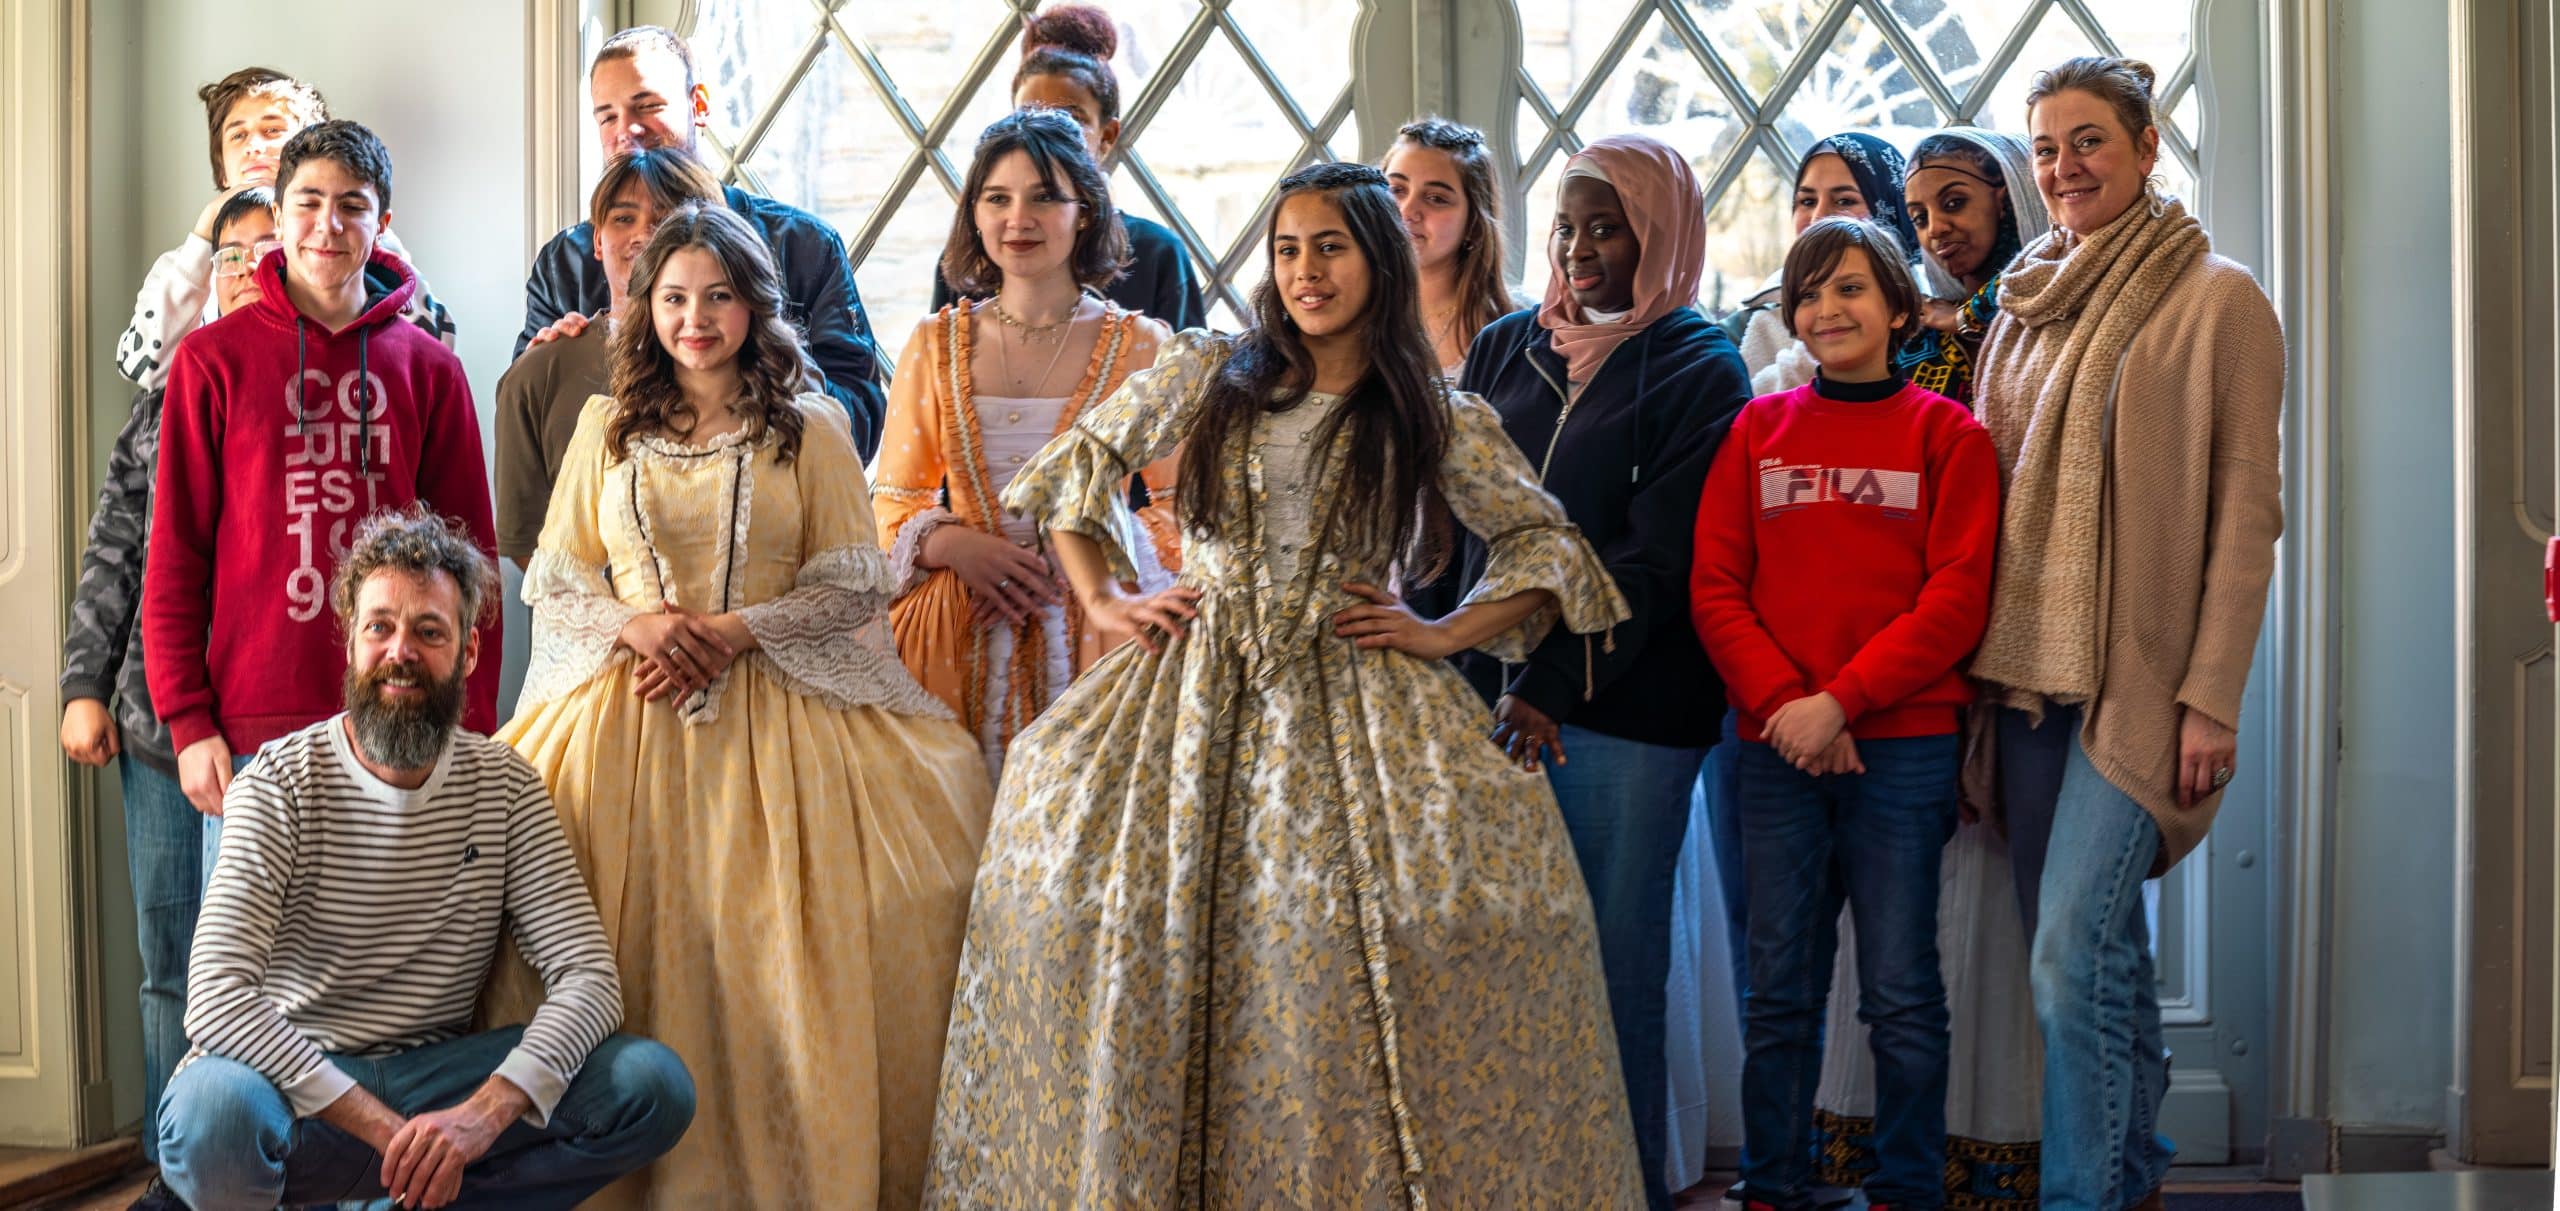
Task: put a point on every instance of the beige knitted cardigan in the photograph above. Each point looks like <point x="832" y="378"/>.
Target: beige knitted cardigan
<point x="2191" y="510"/>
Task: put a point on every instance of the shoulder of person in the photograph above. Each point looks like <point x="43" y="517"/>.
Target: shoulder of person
<point x="1196" y="345"/>
<point x="1148" y="234"/>
<point x="1505" y="334"/>
<point x="575" y="242"/>
<point x="818" y="410"/>
<point x="779" y="218"/>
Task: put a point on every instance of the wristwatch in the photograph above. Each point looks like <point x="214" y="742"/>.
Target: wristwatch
<point x="1967" y="327"/>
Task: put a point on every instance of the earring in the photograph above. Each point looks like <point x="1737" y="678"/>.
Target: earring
<point x="2151" y="191"/>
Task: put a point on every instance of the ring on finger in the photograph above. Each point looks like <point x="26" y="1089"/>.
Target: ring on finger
<point x="2221" y="777"/>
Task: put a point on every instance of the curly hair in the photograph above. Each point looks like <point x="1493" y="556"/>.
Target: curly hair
<point x="416" y="541"/>
<point x="772" y="369"/>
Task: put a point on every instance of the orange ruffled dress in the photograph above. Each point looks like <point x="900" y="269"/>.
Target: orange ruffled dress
<point x="947" y="452"/>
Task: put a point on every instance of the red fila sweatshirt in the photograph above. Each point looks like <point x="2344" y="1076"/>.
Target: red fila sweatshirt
<point x="259" y="492"/>
<point x="1848" y="547"/>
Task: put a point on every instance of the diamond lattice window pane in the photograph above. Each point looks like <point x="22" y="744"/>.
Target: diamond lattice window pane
<point x="1563" y="40"/>
<point x="993" y="100"/>
<point x="1149" y="30"/>
<point x="2154" y="31"/>
<point x="1220" y="144"/>
<point x="832" y="148"/>
<point x="2187" y="117"/>
<point x="2057" y="38"/>
<point x="1859" y="83"/>
<point x="1748" y="230"/>
<point x="1223" y="318"/>
<point x="1306" y="42"/>
<point x="1129" y="197"/>
<point x="743" y="52"/>
<point x="1529" y="134"/>
<point x="1537" y="228"/>
<point x="897" y="275"/>
<point x="926" y="45"/>
<point x="1957" y="38"/>
<point x="1660" y="89"/>
<point x="1757" y="39"/>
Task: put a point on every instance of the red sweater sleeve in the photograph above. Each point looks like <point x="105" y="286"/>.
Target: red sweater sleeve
<point x="453" y="480"/>
<point x="177" y="581"/>
<point x="1758" y="676"/>
<point x="1939" y="631"/>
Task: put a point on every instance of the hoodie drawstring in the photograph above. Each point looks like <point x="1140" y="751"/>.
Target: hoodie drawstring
<point x="301" y="367"/>
<point x="364" y="405"/>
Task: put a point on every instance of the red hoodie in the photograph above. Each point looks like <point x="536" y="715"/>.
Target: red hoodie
<point x="1849" y="548"/>
<point x="244" y="645"/>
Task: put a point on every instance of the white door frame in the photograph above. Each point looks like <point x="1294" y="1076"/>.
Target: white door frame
<point x="53" y="1088"/>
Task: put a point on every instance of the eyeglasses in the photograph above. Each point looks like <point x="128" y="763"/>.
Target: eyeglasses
<point x="233" y="261"/>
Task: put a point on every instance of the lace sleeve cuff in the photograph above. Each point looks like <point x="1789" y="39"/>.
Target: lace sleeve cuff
<point x="905" y="573"/>
<point x="576" y="622"/>
<point x="1557" y="559"/>
<point x="828" y="638"/>
<point x="1077" y="483"/>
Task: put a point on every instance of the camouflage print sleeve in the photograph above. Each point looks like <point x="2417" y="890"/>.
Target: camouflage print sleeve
<point x="109" y="595"/>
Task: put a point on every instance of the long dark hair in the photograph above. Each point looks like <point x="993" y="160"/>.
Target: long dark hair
<point x="1484" y="293"/>
<point x="1398" y="413"/>
<point x="771" y="367"/>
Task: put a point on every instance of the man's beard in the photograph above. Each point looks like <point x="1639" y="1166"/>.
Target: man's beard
<point x="409" y="734"/>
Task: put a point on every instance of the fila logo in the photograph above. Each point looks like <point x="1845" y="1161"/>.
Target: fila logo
<point x="1805" y="484"/>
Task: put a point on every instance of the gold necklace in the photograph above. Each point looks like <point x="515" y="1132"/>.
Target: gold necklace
<point x="1033" y="331"/>
<point x="1005" y="355"/>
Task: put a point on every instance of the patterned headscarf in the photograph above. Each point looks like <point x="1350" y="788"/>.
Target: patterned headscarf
<point x="1933" y="359"/>
<point x="1877" y="168"/>
<point x="1669" y="219"/>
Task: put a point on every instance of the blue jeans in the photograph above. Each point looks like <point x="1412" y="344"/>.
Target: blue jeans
<point x="1720" y="795"/>
<point x="2082" y="848"/>
<point x="229" y="1140"/>
<point x="1873" y="839"/>
<point x="1626" y="806"/>
<point x="213" y="832"/>
<point x="163" y="855"/>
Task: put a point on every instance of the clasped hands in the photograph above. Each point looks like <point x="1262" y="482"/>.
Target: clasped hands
<point x="681" y="651"/>
<point x="1812" y="734"/>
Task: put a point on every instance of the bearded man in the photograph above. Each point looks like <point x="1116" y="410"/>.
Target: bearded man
<point x="369" y="866"/>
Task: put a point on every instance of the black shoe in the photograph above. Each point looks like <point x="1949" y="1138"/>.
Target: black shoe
<point x="159" y="1197"/>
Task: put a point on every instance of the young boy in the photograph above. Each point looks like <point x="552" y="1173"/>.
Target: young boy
<point x="1842" y="576"/>
<point x="287" y="422"/>
<point x="248" y="115"/>
<point x="102" y="667"/>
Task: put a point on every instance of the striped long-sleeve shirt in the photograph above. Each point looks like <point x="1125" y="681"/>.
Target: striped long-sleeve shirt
<point x="349" y="916"/>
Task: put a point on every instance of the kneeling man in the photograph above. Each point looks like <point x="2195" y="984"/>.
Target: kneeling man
<point x="370" y="864"/>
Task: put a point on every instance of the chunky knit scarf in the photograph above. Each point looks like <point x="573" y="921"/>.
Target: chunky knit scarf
<point x="2075" y="303"/>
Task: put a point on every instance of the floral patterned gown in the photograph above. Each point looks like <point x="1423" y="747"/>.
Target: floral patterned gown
<point x="1264" y="920"/>
<point x="783" y="861"/>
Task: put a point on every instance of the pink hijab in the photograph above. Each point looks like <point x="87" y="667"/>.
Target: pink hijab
<point x="1669" y="217"/>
